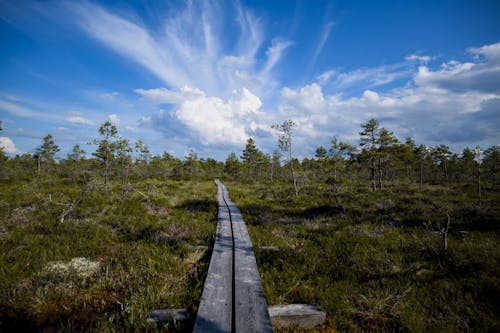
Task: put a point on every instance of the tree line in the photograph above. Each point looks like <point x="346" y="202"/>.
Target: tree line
<point x="380" y="160"/>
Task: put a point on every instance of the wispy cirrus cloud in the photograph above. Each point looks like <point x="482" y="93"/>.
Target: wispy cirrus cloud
<point x="325" y="33"/>
<point x="207" y="74"/>
<point x="79" y="120"/>
<point x="191" y="47"/>
<point x="364" y="78"/>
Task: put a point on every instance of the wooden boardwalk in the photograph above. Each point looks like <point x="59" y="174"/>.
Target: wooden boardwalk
<point x="233" y="298"/>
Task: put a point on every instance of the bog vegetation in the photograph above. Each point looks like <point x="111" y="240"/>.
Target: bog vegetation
<point x="386" y="236"/>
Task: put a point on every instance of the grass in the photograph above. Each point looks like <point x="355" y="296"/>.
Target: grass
<point x="142" y="249"/>
<point x="375" y="262"/>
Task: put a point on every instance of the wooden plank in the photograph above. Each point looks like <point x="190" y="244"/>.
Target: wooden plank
<point x="302" y="316"/>
<point x="251" y="313"/>
<point x="215" y="310"/>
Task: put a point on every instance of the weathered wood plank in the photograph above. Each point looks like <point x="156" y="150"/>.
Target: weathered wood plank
<point x="233" y="298"/>
<point x="302" y="316"/>
<point x="215" y="310"/>
<point x="251" y="314"/>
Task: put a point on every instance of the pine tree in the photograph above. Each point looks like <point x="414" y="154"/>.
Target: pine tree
<point x="251" y="157"/>
<point x="232" y="166"/>
<point x="46" y="152"/>
<point x="106" y="146"/>
<point x="386" y="139"/>
<point x="441" y="155"/>
<point x="77" y="154"/>
<point x="285" y="131"/>
<point x="338" y="152"/>
<point x="320" y="153"/>
<point x="123" y="151"/>
<point x="369" y="143"/>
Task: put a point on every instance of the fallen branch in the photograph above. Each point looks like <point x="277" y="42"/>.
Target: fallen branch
<point x="73" y="205"/>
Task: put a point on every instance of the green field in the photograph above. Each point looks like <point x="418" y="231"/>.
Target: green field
<point x="389" y="237"/>
<point x="377" y="262"/>
<point x="138" y="254"/>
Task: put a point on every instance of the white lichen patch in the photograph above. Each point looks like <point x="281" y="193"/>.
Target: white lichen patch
<point x="80" y="266"/>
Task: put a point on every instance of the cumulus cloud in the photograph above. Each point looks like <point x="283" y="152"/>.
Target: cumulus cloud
<point x="8" y="145"/>
<point x="482" y="75"/>
<point x="213" y="84"/>
<point x="308" y="98"/>
<point x="211" y="119"/>
<point x="430" y="108"/>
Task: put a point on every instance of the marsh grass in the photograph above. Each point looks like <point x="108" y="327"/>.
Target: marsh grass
<point x="138" y="249"/>
<point x="375" y="262"/>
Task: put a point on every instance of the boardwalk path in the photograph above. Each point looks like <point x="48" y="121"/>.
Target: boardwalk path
<point x="233" y="299"/>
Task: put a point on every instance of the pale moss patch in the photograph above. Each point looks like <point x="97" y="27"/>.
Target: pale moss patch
<point x="80" y="266"/>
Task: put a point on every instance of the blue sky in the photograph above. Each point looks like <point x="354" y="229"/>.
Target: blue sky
<point x="206" y="75"/>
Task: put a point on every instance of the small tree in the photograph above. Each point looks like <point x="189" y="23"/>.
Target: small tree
<point x="490" y="165"/>
<point x="275" y="165"/>
<point x="106" y="146"/>
<point x="77" y="154"/>
<point x="3" y="156"/>
<point x="478" y="157"/>
<point x="285" y="131"/>
<point x="251" y="157"/>
<point x="441" y="155"/>
<point x="423" y="153"/>
<point x="232" y="166"/>
<point x="191" y="164"/>
<point x="123" y="151"/>
<point x="320" y="153"/>
<point x="46" y="152"/>
<point x="338" y="152"/>
<point x="369" y="143"/>
<point x="142" y="150"/>
<point x="385" y="140"/>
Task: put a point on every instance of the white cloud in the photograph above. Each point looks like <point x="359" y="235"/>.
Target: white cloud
<point x="491" y="52"/>
<point x="109" y="96"/>
<point x="79" y="120"/>
<point x="325" y="33"/>
<point x="274" y="53"/>
<point x="167" y="96"/>
<point x="371" y="96"/>
<point x="325" y="77"/>
<point x="308" y="98"/>
<point x="17" y="110"/>
<point x="8" y="145"/>
<point x="482" y="75"/>
<point x="212" y="120"/>
<point x="114" y="119"/>
<point x="368" y="77"/>
<point x="422" y="59"/>
<point x="129" y="39"/>
<point x="190" y="47"/>
<point x="430" y="109"/>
